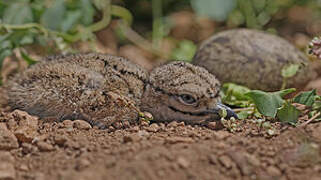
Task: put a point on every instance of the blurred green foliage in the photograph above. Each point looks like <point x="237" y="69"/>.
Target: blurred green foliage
<point x="57" y="24"/>
<point x="269" y="104"/>
<point x="216" y="9"/>
<point x="249" y="13"/>
<point x="61" y="23"/>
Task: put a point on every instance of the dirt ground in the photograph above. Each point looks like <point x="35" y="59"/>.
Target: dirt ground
<point x="32" y="149"/>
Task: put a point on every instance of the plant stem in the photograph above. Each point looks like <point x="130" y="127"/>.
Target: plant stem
<point x="123" y="13"/>
<point x="243" y="109"/>
<point x="137" y="39"/>
<point x="72" y="38"/>
<point x="104" y="21"/>
<point x="284" y="82"/>
<point x="157" y="34"/>
<point x="311" y="119"/>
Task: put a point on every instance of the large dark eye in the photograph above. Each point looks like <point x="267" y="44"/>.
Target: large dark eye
<point x="187" y="99"/>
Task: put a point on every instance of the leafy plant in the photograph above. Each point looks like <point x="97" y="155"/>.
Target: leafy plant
<point x="216" y="9"/>
<point x="53" y="24"/>
<point x="185" y="51"/>
<point x="270" y="104"/>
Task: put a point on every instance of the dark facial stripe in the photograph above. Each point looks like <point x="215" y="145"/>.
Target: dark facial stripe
<point x="204" y="113"/>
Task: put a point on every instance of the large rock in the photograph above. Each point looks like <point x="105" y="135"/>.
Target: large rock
<point x="252" y="58"/>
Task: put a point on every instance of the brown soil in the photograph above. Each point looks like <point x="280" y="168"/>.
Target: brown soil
<point x="33" y="149"/>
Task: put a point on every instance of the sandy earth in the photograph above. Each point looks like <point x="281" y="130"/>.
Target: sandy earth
<point x="32" y="149"/>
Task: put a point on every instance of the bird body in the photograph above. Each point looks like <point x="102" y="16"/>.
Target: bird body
<point x="104" y="89"/>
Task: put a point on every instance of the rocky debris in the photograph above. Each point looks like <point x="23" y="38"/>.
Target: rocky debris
<point x="8" y="140"/>
<point x="28" y="148"/>
<point x="44" y="146"/>
<point x="226" y="161"/>
<point x="81" y="124"/>
<point x="221" y="135"/>
<point x="212" y="125"/>
<point x="213" y="159"/>
<point x="183" y="162"/>
<point x="273" y="171"/>
<point x="177" y="139"/>
<point x="242" y="162"/>
<point x="143" y="133"/>
<point x="7" y="170"/>
<point x="134" y="129"/>
<point x="152" y="128"/>
<point x="67" y="124"/>
<point x="82" y="164"/>
<point x="60" y="139"/>
<point x="23" y="119"/>
<point x="131" y="138"/>
<point x="173" y="124"/>
<point x="27" y="126"/>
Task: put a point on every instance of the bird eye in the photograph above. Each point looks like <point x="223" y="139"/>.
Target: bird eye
<point x="187" y="99"/>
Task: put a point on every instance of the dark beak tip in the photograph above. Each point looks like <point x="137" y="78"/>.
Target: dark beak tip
<point x="231" y="114"/>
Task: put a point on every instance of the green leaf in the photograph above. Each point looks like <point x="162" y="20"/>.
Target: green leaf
<point x="236" y="90"/>
<point x="243" y="114"/>
<point x="235" y="18"/>
<point x="290" y="70"/>
<point x="272" y="7"/>
<point x="263" y="18"/>
<point x="306" y="98"/>
<point x="71" y="19"/>
<point x="18" y="13"/>
<point x="88" y="12"/>
<point x="28" y="39"/>
<point x="268" y="103"/>
<point x="6" y="47"/>
<point x="248" y="11"/>
<point x="4" y="54"/>
<point x="288" y="113"/>
<point x="284" y="92"/>
<point x="216" y="9"/>
<point x="316" y="105"/>
<point x="54" y="16"/>
<point x="27" y="58"/>
<point x="259" y="5"/>
<point x="185" y="51"/>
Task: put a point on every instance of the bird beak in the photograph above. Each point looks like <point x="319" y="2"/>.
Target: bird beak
<point x="221" y="107"/>
<point x="230" y="112"/>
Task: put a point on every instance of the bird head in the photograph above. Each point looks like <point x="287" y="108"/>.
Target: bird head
<point x="180" y="91"/>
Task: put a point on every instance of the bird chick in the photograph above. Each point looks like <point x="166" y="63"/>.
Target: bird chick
<point x="180" y="91"/>
<point x="107" y="90"/>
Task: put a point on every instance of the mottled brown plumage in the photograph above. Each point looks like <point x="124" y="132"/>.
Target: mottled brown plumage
<point x="105" y="90"/>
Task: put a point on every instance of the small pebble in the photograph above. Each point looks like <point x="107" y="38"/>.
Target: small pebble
<point x="82" y="164"/>
<point x="174" y="140"/>
<point x="226" y="161"/>
<point x="183" y="162"/>
<point x="81" y="125"/>
<point x="152" y="128"/>
<point x="131" y="138"/>
<point x="273" y="171"/>
<point x="8" y="140"/>
<point x="172" y="124"/>
<point x="60" y="139"/>
<point x="67" y="124"/>
<point x="44" y="146"/>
